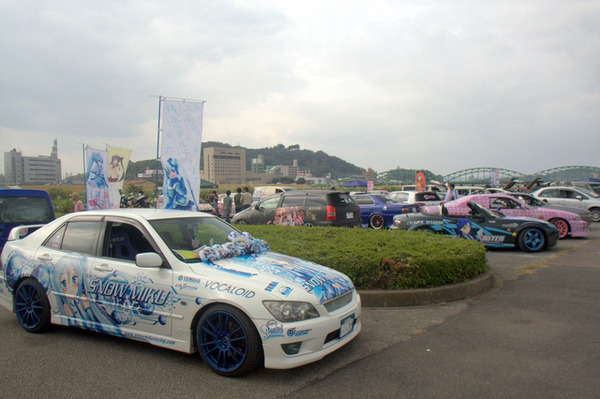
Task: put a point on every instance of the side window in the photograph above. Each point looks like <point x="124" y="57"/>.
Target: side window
<point x="498" y="203"/>
<point x="125" y="241"/>
<point x="293" y="200"/>
<point x="364" y="200"/>
<point x="56" y="239"/>
<point x="271" y="203"/>
<point x="552" y="193"/>
<point x="314" y="202"/>
<point x="80" y="237"/>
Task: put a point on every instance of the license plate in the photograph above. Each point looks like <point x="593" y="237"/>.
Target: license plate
<point x="349" y="215"/>
<point x="347" y="325"/>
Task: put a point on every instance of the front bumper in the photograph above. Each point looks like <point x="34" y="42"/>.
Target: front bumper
<point x="313" y="339"/>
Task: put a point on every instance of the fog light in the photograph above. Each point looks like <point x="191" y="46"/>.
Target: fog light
<point x="291" y="349"/>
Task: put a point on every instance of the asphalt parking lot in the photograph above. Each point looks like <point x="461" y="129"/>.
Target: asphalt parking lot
<point x="481" y="347"/>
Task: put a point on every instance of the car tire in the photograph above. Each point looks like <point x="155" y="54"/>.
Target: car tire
<point x="32" y="307"/>
<point x="562" y="226"/>
<point x="532" y="239"/>
<point x="228" y="341"/>
<point x="241" y="221"/>
<point x="376" y="221"/>
<point x="595" y="214"/>
<point x="308" y="224"/>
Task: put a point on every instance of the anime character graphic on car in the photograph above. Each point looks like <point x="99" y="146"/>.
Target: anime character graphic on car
<point x="492" y="229"/>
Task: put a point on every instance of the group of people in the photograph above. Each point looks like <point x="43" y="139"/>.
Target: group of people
<point x="240" y="201"/>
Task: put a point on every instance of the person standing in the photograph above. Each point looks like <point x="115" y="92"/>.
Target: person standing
<point x="227" y="201"/>
<point x="213" y="199"/>
<point x="77" y="204"/>
<point x="246" y="199"/>
<point x="451" y="194"/>
<point x="237" y="200"/>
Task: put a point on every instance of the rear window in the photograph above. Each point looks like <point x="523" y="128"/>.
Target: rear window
<point x="340" y="199"/>
<point x="25" y="210"/>
<point x="427" y="197"/>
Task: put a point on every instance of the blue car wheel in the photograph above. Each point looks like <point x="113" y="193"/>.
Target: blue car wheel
<point x="228" y="341"/>
<point x="532" y="239"/>
<point x="32" y="306"/>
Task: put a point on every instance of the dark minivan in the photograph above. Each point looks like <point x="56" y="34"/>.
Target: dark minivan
<point x="303" y="208"/>
<point x="23" y="207"/>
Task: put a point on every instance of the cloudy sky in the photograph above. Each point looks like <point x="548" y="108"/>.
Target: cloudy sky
<point x="441" y="85"/>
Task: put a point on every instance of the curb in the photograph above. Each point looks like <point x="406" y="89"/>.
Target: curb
<point x="427" y="296"/>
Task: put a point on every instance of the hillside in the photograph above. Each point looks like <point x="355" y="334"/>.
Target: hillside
<point x="319" y="163"/>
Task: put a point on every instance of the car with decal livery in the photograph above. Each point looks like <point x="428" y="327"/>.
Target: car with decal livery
<point x="186" y="281"/>
<point x="568" y="223"/>
<point x="494" y="230"/>
<point x="377" y="210"/>
<point x="303" y="208"/>
<point x="535" y="202"/>
<point x="571" y="196"/>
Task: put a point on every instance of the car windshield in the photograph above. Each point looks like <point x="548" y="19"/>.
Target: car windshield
<point x="197" y="239"/>
<point x="589" y="193"/>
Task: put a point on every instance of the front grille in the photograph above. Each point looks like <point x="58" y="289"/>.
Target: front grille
<point x="339" y="302"/>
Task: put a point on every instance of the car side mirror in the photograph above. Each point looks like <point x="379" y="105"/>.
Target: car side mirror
<point x="579" y="197"/>
<point x="148" y="259"/>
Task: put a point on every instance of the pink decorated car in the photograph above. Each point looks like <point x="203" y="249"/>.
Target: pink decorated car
<point x="566" y="222"/>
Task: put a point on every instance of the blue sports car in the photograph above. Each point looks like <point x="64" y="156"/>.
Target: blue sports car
<point x="492" y="229"/>
<point x="377" y="210"/>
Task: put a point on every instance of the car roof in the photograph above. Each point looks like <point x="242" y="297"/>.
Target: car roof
<point x="142" y="213"/>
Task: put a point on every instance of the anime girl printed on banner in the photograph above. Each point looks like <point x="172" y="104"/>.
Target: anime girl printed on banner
<point x="176" y="188"/>
<point x="180" y="144"/>
<point x="96" y="186"/>
<point x="117" y="168"/>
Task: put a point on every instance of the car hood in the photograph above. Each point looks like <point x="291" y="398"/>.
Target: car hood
<point x="279" y="274"/>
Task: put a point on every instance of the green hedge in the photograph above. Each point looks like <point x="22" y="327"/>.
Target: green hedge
<point x="380" y="259"/>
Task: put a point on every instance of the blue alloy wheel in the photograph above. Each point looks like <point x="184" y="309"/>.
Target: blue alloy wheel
<point x="228" y="341"/>
<point x="532" y="240"/>
<point x="32" y="307"/>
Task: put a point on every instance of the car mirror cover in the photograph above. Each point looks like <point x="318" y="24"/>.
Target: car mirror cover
<point x="148" y="259"/>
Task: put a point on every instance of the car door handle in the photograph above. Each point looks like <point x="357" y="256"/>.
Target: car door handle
<point x="103" y="268"/>
<point x="44" y="257"/>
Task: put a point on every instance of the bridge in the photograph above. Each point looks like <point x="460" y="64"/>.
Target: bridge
<point x="485" y="174"/>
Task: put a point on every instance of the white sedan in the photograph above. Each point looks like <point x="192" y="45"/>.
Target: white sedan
<point x="421" y="198"/>
<point x="180" y="280"/>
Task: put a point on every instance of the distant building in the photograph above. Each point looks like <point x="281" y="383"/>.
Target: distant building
<point x="224" y="165"/>
<point x="258" y="164"/>
<point x="24" y="170"/>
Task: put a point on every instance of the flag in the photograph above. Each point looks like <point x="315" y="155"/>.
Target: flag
<point x="181" y="138"/>
<point x="117" y="168"/>
<point x="421" y="180"/>
<point x="96" y="186"/>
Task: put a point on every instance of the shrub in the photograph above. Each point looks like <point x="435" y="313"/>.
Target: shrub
<point x="380" y="259"/>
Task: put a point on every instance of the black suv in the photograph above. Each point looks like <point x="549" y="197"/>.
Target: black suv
<point x="303" y="207"/>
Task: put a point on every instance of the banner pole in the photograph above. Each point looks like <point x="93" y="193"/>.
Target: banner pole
<point x="84" y="176"/>
<point x="157" y="155"/>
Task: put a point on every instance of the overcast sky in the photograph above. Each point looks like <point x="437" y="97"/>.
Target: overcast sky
<point x="440" y="85"/>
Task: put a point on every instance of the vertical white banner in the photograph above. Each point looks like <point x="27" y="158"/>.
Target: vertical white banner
<point x="181" y="138"/>
<point x="495" y="177"/>
<point x="117" y="168"/>
<point x="96" y="186"/>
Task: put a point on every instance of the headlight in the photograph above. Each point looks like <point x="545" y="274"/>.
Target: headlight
<point x="287" y="311"/>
